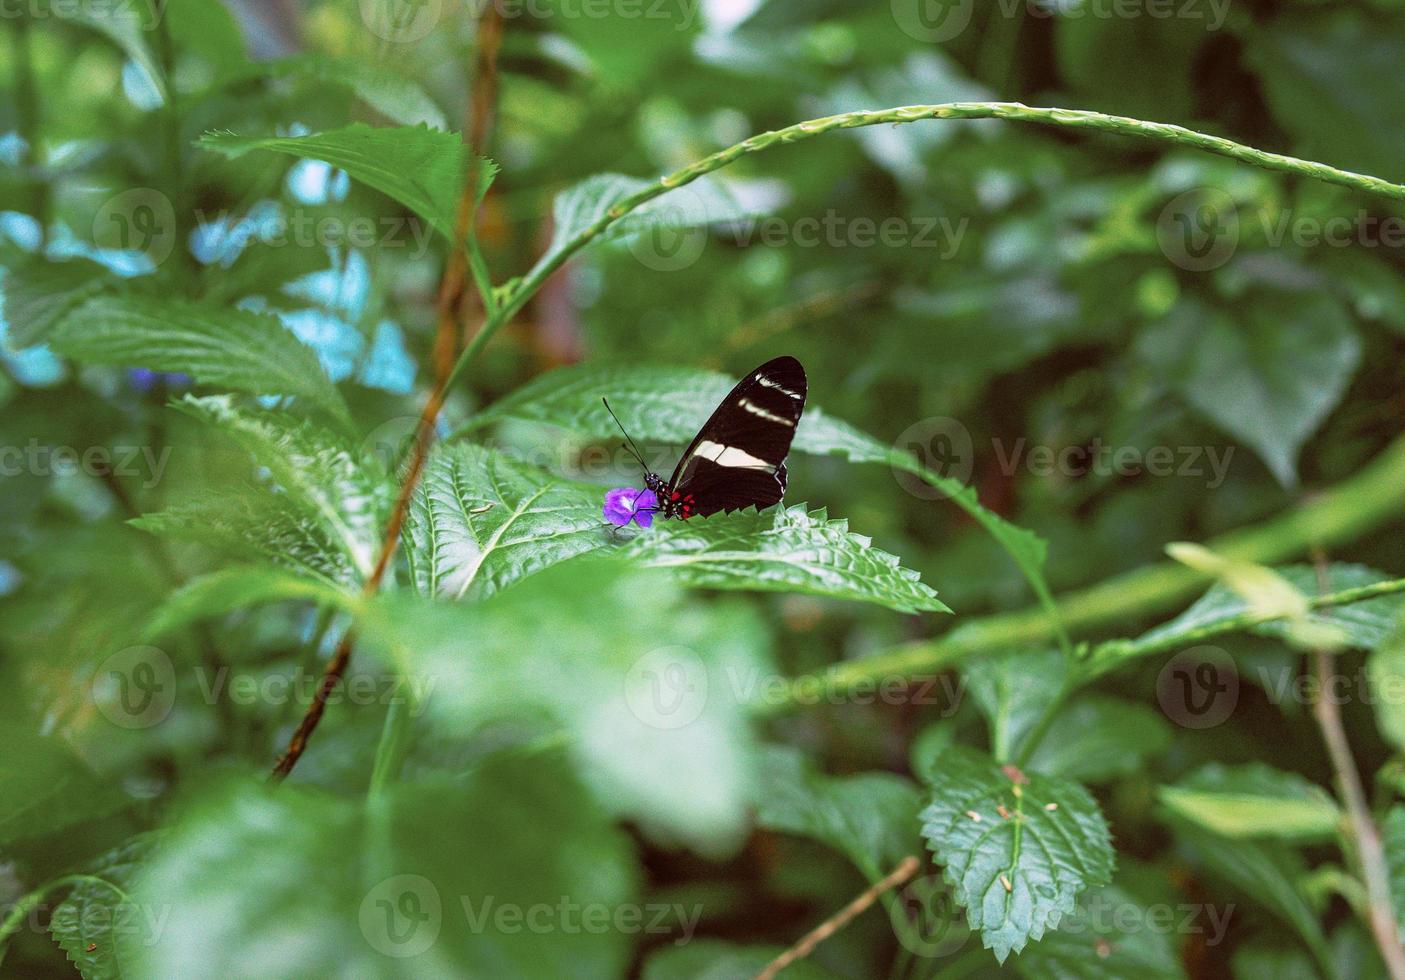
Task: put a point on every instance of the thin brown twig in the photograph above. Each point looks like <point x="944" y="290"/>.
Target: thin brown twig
<point x="906" y="868"/>
<point x="1362" y="830"/>
<point x="449" y="308"/>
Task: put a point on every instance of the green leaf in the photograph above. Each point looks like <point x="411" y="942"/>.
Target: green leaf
<point x="782" y="550"/>
<point x="870" y="817"/>
<point x="387" y="91"/>
<point x="646" y="688"/>
<point x="1268" y="874"/>
<point x="713" y="959"/>
<point x="238" y="587"/>
<point x="1254" y="800"/>
<point x="423" y="169"/>
<point x="1269" y="376"/>
<point x="1314" y="64"/>
<point x="1012" y="692"/>
<point x="627" y="49"/>
<point x="328" y="489"/>
<point x="706" y="201"/>
<point x="480" y="521"/>
<point x="1361" y="624"/>
<point x="226" y="348"/>
<point x="88" y="924"/>
<point x="1097" y="739"/>
<point x="1393" y="838"/>
<point x="656" y="404"/>
<point x="256" y="525"/>
<point x="129" y="26"/>
<point x="1385" y="667"/>
<point x="1016" y="876"/>
<point x="262" y="880"/>
<point x="38" y="295"/>
<point x="669" y="404"/>
<point x="1108" y="936"/>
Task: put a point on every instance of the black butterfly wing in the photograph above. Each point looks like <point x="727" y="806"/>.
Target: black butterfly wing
<point x="737" y="459"/>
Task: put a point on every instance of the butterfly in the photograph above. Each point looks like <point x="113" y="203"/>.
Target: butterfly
<point x="736" y="460"/>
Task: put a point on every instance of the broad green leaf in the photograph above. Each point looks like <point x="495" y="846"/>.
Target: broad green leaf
<point x="870" y="817"/>
<point x="1254" y="800"/>
<point x="226" y="348"/>
<point x="1012" y="692"/>
<point x="782" y="550"/>
<point x="1267" y="874"/>
<point x="1016" y="876"/>
<point x="706" y="201"/>
<point x="1097" y="739"/>
<point x="646" y="687"/>
<point x="238" y="587"/>
<point x="387" y="91"/>
<point x="481" y="520"/>
<point x="1361" y="624"/>
<point x="667" y="405"/>
<point x="424" y="169"/>
<point x="344" y="492"/>
<point x="1108" y="936"/>
<point x="1393" y="838"/>
<point x="713" y="959"/>
<point x="1385" y="667"/>
<point x="1268" y="376"/>
<point x="437" y="879"/>
<point x="39" y="294"/>
<point x="1314" y="63"/>
<point x="89" y="922"/>
<point x="259" y="526"/>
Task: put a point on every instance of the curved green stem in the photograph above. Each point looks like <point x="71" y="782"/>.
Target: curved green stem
<point x="1013" y="111"/>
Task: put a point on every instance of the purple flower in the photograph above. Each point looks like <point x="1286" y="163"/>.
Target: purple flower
<point x="145" y="379"/>
<point x="625" y="504"/>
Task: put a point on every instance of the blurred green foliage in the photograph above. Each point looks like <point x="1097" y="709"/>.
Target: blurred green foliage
<point x="223" y="227"/>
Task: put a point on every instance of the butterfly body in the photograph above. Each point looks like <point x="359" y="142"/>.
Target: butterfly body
<point x="737" y="459"/>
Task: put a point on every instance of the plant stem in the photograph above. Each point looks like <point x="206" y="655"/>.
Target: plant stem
<point x="1363" y="836"/>
<point x="807" y="943"/>
<point x="449" y="308"/>
<point x="1365" y="501"/>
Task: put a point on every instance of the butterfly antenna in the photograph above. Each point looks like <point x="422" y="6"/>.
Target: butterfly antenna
<point x="631" y="447"/>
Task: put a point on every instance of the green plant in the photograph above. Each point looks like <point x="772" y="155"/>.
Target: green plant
<point x="379" y="548"/>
